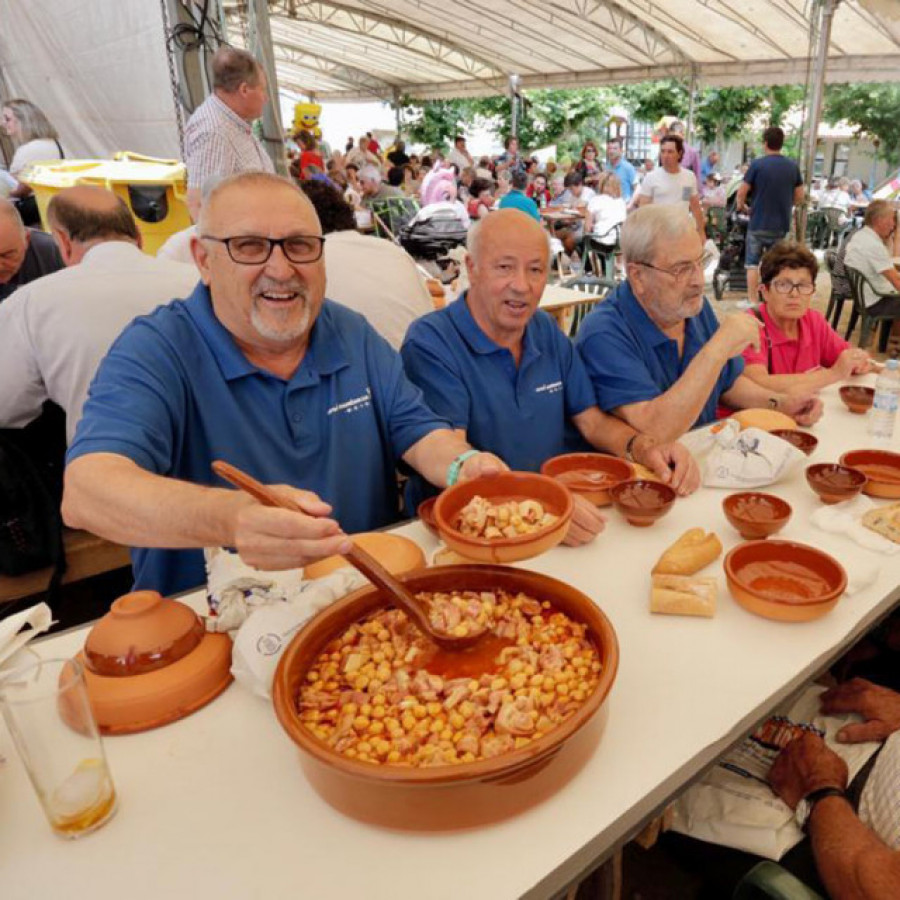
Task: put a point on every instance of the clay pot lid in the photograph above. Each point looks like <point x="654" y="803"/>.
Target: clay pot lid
<point x="142" y="632"/>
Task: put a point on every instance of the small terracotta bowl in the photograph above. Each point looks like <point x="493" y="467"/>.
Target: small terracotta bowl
<point x="784" y="580"/>
<point x="756" y="515"/>
<point x="802" y="440"/>
<point x="467" y="794"/>
<point x="553" y="496"/>
<point x="150" y="661"/>
<point x="397" y="554"/>
<point x="642" y="502"/>
<point x="425" y="512"/>
<point x="857" y="399"/>
<point x="835" y="483"/>
<point x="881" y="467"/>
<point x="589" y="474"/>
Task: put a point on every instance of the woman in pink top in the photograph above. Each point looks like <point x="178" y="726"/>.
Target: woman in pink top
<point x="799" y="350"/>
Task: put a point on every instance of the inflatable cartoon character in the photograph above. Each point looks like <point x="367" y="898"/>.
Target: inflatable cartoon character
<point x="306" y="118"/>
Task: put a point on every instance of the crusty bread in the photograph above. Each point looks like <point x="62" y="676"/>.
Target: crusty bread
<point x="766" y="419"/>
<point x="689" y="554"/>
<point x="885" y="520"/>
<point x="678" y="595"/>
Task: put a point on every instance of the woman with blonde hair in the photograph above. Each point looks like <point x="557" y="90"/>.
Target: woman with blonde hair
<point x="35" y="140"/>
<point x="606" y="210"/>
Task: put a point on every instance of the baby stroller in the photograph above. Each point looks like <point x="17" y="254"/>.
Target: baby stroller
<point x="730" y="273"/>
<point x="434" y="231"/>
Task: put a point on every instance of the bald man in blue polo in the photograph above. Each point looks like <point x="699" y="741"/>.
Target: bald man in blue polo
<point x="256" y="368"/>
<point x="508" y="380"/>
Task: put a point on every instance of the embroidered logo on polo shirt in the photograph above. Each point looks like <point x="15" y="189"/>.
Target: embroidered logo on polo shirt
<point x="552" y="387"/>
<point x="354" y="404"/>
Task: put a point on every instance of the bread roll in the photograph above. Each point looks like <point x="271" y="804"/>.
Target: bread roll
<point x="767" y="419"/>
<point x="689" y="554"/>
<point x="885" y="520"/>
<point x="677" y="595"/>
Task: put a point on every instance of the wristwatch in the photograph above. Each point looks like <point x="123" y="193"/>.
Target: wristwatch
<point x="456" y="465"/>
<point x="629" y="447"/>
<point x="807" y="804"/>
<point x="773" y="403"/>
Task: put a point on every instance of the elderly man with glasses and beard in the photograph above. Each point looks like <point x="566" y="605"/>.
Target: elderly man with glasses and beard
<point x="256" y="368"/>
<point x="655" y="352"/>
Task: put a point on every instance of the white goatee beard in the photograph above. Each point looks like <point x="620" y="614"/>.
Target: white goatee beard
<point x="272" y="332"/>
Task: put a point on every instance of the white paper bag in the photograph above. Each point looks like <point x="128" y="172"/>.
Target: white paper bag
<point x="746" y="459"/>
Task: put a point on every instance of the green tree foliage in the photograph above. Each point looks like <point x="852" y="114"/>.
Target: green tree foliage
<point x="649" y="101"/>
<point x="872" y="109"/>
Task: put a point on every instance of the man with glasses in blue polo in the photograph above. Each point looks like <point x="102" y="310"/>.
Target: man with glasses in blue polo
<point x="258" y="369"/>
<point x="656" y="354"/>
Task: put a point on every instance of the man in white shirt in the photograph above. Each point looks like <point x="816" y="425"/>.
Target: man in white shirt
<point x="670" y="184"/>
<point x="867" y="252"/>
<point x="55" y="330"/>
<point x="459" y="156"/>
<point x="218" y="139"/>
<point x="368" y="274"/>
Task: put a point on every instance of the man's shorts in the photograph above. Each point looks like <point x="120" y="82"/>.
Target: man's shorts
<point x="757" y="244"/>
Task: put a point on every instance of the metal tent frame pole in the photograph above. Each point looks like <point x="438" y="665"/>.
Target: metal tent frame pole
<point x="514" y="100"/>
<point x="260" y="45"/>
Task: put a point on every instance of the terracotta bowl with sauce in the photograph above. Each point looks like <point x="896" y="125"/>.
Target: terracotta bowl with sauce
<point x="589" y="474"/>
<point x="150" y="661"/>
<point x="642" y="502"/>
<point x="835" y="483"/>
<point x="756" y="515"/>
<point x="468" y="794"/>
<point x="396" y="553"/>
<point x="784" y="580"/>
<point x="554" y="497"/>
<point x="857" y="398"/>
<point x="881" y="467"/>
<point x="802" y="440"/>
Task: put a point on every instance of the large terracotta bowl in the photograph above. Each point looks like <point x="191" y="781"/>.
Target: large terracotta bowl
<point x="150" y="661"/>
<point x="802" y="440"/>
<point x="881" y="467"/>
<point x="784" y="580"/>
<point x="467" y="794"/>
<point x="857" y="398"/>
<point x="641" y="501"/>
<point x="554" y="497"/>
<point x="396" y="553"/>
<point x="835" y="483"/>
<point x="756" y="515"/>
<point x="589" y="474"/>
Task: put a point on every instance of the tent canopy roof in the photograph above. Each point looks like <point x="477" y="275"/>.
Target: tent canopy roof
<point x="429" y="49"/>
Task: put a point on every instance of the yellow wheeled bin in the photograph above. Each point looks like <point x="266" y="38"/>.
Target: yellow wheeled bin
<point x="153" y="189"/>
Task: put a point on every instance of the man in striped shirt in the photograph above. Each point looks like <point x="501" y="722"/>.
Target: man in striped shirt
<point x="218" y="139"/>
<point x="857" y="852"/>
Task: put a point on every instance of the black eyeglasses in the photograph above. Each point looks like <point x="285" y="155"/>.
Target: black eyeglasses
<point x="804" y="288"/>
<point x="253" y="250"/>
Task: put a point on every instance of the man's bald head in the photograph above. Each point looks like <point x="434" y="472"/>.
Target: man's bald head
<point x="13" y="241"/>
<point x="87" y="214"/>
<point x="213" y="209"/>
<point x="505" y="227"/>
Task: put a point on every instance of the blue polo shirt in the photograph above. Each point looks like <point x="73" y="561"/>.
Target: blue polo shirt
<point x="176" y="392"/>
<point x="517" y="200"/>
<point x="630" y="360"/>
<point x="624" y="171"/>
<point x="522" y="412"/>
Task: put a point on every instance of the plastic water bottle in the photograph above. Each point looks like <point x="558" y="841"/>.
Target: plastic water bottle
<point x="884" y="406"/>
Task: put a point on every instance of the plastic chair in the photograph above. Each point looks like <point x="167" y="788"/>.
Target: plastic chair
<point x="391" y="214"/>
<point x="861" y="312"/>
<point x="816" y="228"/>
<point x="835" y="230"/>
<point x="838" y="296"/>
<point x="717" y="224"/>
<point x="601" y="253"/>
<point x="587" y="284"/>
<point x="769" y="880"/>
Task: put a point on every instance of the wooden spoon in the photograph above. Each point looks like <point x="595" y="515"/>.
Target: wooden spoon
<point x="359" y="558"/>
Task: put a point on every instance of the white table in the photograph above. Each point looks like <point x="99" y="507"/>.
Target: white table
<point x="217" y="806"/>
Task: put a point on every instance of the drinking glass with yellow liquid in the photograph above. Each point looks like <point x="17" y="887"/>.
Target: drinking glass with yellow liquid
<point x="48" y="714"/>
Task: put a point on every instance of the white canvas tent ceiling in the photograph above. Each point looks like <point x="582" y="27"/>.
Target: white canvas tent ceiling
<point x="364" y="49"/>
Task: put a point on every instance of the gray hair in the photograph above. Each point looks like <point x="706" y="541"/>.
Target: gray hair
<point x="372" y="172"/>
<point x="9" y="213"/>
<point x="34" y="124"/>
<point x="649" y="227"/>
